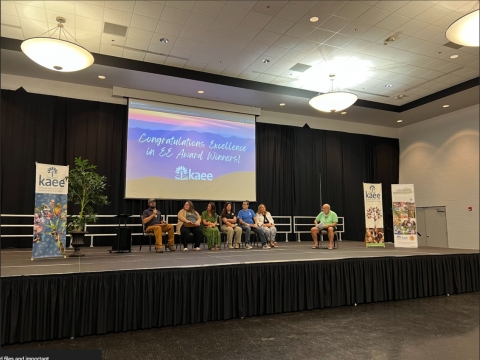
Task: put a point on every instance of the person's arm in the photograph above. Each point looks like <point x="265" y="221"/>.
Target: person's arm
<point x="270" y="220"/>
<point x="317" y="219"/>
<point x="204" y="221"/>
<point x="226" y="222"/>
<point x="334" y="222"/>
<point x="240" y="219"/>
<point x="254" y="221"/>
<point x="182" y="216"/>
<point x="147" y="219"/>
<point x="199" y="219"/>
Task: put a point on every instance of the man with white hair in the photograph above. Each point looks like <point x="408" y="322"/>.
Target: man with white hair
<point x="326" y="220"/>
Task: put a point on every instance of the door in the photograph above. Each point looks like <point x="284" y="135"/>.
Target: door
<point x="421" y="227"/>
<point x="436" y="226"/>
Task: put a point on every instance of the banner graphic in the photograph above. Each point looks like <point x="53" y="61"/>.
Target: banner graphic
<point x="374" y="232"/>
<point x="50" y="214"/>
<point x="404" y="216"/>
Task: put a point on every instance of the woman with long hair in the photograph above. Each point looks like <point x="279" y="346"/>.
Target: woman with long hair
<point x="230" y="227"/>
<point x="266" y="224"/>
<point x="210" y="227"/>
<point x="189" y="223"/>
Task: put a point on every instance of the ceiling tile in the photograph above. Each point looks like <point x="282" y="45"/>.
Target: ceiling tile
<point x="107" y="49"/>
<point x="373" y="49"/>
<point x="256" y="47"/>
<point x="169" y="28"/>
<point x="440" y="39"/>
<point x="300" y="31"/>
<point x="209" y="8"/>
<point x="293" y="55"/>
<point x="267" y="37"/>
<point x="126" y="6"/>
<point x="280" y="81"/>
<point x="52" y="19"/>
<point x="31" y="12"/>
<point x="279" y="25"/>
<point x="156" y="59"/>
<point x="117" y="40"/>
<point x="325" y="51"/>
<point x="334" y="23"/>
<point x="33" y="26"/>
<point x="450" y="67"/>
<point x="192" y="33"/>
<point x="160" y="49"/>
<point x="140" y="35"/>
<point x="91" y="46"/>
<point x="447" y="20"/>
<point x="306" y="46"/>
<point x="373" y="16"/>
<point x="292" y="12"/>
<point x="243" y="4"/>
<point x="13" y="33"/>
<point x="193" y="65"/>
<point x="144" y="23"/>
<point x="322" y="17"/>
<point x="232" y="72"/>
<point x="182" y="4"/>
<point x="256" y="20"/>
<point x="139" y="45"/>
<point x="343" y="54"/>
<point x="199" y="21"/>
<point x="411" y="27"/>
<point x="182" y="53"/>
<point x="223" y="26"/>
<point x="215" y="68"/>
<point x="10" y="20"/>
<point x="245" y="32"/>
<point x="431" y="75"/>
<point x="435" y="64"/>
<point x="275" y="51"/>
<point x="391" y="6"/>
<point x="330" y="7"/>
<point x="468" y="7"/>
<point x="393" y="21"/>
<point x="202" y="57"/>
<point x="67" y="7"/>
<point x="237" y="43"/>
<point x="474" y="65"/>
<point x="175" y="62"/>
<point x="338" y="40"/>
<point x="374" y="34"/>
<point x="39" y="4"/>
<point x="86" y="35"/>
<point x="117" y="17"/>
<point x="249" y="75"/>
<point x="182" y="43"/>
<point x="8" y="8"/>
<point x="215" y="38"/>
<point x="414" y="8"/>
<point x="467" y="59"/>
<point x="355" y="29"/>
<point x="287" y="42"/>
<point x="231" y="13"/>
<point x="405" y="42"/>
<point x="265" y="78"/>
<point x="308" y="4"/>
<point x="429" y="32"/>
<point x="433" y="14"/>
<point x="421" y="60"/>
<point x="270" y="8"/>
<point x="281" y="65"/>
<point x="147" y="8"/>
<point x="312" y="59"/>
<point x="171" y="39"/>
<point x="247" y="57"/>
<point x="453" y="5"/>
<point x="357" y="45"/>
<point x="174" y="15"/>
<point x="97" y="3"/>
<point x="352" y="10"/>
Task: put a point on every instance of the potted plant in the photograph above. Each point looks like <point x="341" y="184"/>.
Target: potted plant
<point x="85" y="188"/>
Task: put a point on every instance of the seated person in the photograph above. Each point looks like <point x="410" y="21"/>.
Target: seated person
<point x="151" y="220"/>
<point x="230" y="227"/>
<point x="265" y="223"/>
<point x="189" y="223"/>
<point x="329" y="220"/>
<point x="210" y="228"/>
<point x="248" y="222"/>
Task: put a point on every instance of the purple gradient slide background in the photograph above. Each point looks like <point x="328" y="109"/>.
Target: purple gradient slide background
<point x="166" y="125"/>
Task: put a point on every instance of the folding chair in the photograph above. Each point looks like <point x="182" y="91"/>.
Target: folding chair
<point x="323" y="233"/>
<point x="151" y="235"/>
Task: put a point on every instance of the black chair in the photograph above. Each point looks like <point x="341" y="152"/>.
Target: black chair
<point x="223" y="236"/>
<point x="151" y="235"/>
<point x="324" y="233"/>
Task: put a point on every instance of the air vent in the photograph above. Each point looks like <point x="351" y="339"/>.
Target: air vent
<point x="300" y="68"/>
<point x="115" y="29"/>
<point x="452" y="45"/>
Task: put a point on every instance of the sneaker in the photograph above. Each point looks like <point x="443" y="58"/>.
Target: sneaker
<point x="231" y="247"/>
<point x="171" y="247"/>
<point x="159" y="251"/>
<point x="266" y="246"/>
<point x="248" y="247"/>
<point x="197" y="249"/>
<point x="185" y="249"/>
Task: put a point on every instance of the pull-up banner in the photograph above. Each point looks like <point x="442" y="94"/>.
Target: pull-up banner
<point x="50" y="214"/>
<point x="374" y="234"/>
<point x="404" y="216"/>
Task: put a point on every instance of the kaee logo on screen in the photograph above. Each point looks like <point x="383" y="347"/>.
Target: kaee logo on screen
<point x="182" y="173"/>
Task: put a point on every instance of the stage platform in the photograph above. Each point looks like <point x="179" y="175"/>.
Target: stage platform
<point x="48" y="299"/>
<point x="98" y="259"/>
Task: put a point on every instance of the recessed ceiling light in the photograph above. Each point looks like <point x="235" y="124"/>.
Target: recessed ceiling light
<point x="454" y="56"/>
<point x="201" y="91"/>
<point x="101" y="77"/>
<point x="282" y="104"/>
<point x="446" y="105"/>
<point x="265" y="61"/>
<point x="399" y="120"/>
<point x="164" y="40"/>
<point x="388" y="85"/>
<point x="314" y="19"/>
<point x="343" y="112"/>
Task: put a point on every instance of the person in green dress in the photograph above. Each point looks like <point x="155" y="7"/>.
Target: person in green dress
<point x="210" y="228"/>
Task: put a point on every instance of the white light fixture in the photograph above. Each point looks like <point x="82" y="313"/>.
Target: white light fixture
<point x="200" y="91"/>
<point x="101" y="77"/>
<point x="445" y="106"/>
<point x="399" y="120"/>
<point x="388" y="85"/>
<point x="343" y="112"/>
<point x="57" y="53"/>
<point x="164" y="40"/>
<point x="314" y="19"/>
<point x="265" y="61"/>
<point x="333" y="101"/>
<point x="282" y="104"/>
<point x="464" y="31"/>
<point x="453" y="56"/>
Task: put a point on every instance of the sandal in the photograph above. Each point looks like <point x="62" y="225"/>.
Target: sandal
<point x="315" y="247"/>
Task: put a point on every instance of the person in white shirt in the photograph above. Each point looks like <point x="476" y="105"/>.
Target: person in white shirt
<point x="266" y="224"/>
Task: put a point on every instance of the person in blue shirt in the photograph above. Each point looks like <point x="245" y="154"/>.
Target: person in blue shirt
<point x="248" y="222"/>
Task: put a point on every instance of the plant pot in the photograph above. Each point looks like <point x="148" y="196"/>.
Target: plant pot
<point x="77" y="242"/>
